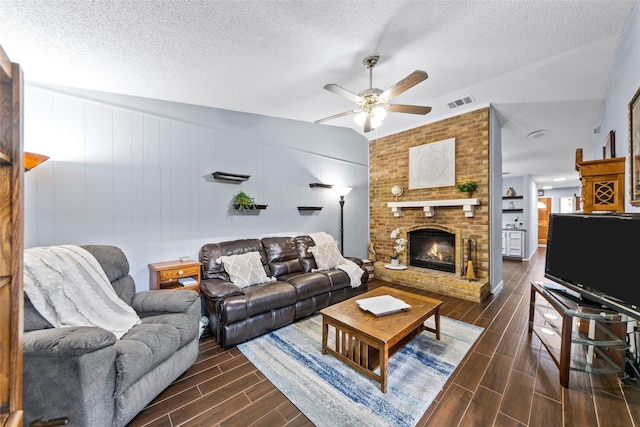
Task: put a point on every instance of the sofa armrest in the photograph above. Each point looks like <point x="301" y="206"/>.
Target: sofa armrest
<point x="154" y="302"/>
<point x="356" y="260"/>
<point x="69" y="372"/>
<point x="73" y="341"/>
<point x="217" y="288"/>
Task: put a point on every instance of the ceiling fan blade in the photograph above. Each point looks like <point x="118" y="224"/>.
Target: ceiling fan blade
<point x="339" y="90"/>
<point x="407" y="83"/>
<point x="411" y="109"/>
<point x="335" y="116"/>
<point x="367" y="124"/>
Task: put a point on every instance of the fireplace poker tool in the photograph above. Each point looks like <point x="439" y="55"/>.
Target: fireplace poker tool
<point x="470" y="273"/>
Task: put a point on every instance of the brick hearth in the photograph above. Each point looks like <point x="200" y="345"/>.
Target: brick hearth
<point x="436" y="281"/>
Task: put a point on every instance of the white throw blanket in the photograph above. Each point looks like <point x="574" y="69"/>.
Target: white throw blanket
<point x="351" y="268"/>
<point x="68" y="287"/>
<point x="321" y="237"/>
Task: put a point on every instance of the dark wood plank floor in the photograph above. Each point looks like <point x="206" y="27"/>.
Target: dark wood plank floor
<point x="508" y="379"/>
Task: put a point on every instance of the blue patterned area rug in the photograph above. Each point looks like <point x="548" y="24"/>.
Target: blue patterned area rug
<point x="331" y="393"/>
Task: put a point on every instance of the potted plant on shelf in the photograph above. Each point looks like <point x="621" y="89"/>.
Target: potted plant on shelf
<point x="468" y="187"/>
<point x="398" y="247"/>
<point x="242" y="202"/>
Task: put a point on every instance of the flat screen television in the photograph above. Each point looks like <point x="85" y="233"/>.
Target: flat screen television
<point x="596" y="255"/>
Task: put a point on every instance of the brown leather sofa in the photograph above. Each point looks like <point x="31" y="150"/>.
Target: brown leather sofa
<point x="239" y="314"/>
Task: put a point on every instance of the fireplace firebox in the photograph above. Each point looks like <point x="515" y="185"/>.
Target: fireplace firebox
<point x="432" y="248"/>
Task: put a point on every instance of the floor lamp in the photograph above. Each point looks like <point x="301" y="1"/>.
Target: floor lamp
<point x="342" y="191"/>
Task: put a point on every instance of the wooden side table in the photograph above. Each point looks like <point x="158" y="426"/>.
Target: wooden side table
<point x="166" y="275"/>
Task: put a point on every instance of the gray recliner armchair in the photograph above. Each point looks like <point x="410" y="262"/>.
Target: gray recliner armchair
<point x="89" y="377"/>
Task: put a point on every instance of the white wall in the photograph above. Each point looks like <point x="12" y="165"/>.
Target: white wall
<point x="136" y="173"/>
<point x="625" y="81"/>
<point x="495" y="180"/>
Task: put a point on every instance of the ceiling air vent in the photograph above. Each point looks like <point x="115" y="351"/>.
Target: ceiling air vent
<point x="460" y="102"/>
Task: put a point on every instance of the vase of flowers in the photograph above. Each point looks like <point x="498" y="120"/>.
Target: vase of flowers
<point x="398" y="246"/>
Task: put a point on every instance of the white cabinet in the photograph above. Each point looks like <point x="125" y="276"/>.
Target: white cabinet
<point x="513" y="243"/>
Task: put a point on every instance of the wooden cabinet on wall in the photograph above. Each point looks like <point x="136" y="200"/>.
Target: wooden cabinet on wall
<point x="602" y="184"/>
<point x="11" y="241"/>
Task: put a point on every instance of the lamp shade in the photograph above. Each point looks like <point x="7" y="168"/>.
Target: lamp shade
<point x="342" y="191"/>
<point x="31" y="160"/>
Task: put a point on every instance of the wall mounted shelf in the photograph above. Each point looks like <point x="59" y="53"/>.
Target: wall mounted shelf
<point x="320" y="185"/>
<point x="230" y="177"/>
<point x="309" y="208"/>
<point x="257" y="207"/>
<point x="468" y="206"/>
<point x="513" y="207"/>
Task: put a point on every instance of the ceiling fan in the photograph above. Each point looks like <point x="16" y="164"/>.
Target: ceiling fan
<point x="373" y="103"/>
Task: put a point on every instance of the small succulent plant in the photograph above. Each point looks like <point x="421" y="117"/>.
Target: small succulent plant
<point x="242" y="201"/>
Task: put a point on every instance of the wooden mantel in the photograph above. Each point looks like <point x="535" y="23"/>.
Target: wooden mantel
<point x="427" y="206"/>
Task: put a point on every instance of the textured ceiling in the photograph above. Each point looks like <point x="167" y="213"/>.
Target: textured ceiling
<point x="543" y="64"/>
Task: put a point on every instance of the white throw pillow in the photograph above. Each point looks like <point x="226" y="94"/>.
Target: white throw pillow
<point x="245" y="269"/>
<point x="327" y="255"/>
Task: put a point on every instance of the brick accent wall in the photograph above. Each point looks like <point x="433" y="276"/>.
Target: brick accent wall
<point x="389" y="163"/>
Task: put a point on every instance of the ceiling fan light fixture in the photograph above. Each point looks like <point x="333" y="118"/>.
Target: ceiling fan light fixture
<point x="372" y="103"/>
<point x="379" y="112"/>
<point x="360" y="118"/>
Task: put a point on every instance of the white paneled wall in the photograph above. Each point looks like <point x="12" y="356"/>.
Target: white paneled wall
<point x="142" y="181"/>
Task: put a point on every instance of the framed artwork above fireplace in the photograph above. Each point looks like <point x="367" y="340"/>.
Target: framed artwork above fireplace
<point x="433" y="165"/>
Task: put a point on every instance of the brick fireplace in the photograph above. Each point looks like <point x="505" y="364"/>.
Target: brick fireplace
<point x="389" y="162"/>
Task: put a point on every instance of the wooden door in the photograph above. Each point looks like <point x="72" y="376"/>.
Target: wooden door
<point x="11" y="241"/>
<point x="544" y="210"/>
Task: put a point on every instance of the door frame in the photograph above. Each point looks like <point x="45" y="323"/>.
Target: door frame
<point x="542" y="237"/>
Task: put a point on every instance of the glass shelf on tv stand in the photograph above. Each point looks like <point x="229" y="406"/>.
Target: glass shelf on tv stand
<point x="578" y="336"/>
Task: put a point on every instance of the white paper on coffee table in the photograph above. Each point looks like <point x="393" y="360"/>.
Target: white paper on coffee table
<point x="383" y="304"/>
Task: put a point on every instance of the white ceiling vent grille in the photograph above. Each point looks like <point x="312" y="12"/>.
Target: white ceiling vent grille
<point x="460" y="102"/>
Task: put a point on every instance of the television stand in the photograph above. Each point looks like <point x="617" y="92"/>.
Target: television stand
<point x="580" y="337"/>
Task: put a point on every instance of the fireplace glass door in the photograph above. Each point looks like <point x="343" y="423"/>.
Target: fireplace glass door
<point x="432" y="248"/>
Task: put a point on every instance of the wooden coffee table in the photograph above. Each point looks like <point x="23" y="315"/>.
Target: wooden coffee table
<point x="366" y="341"/>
